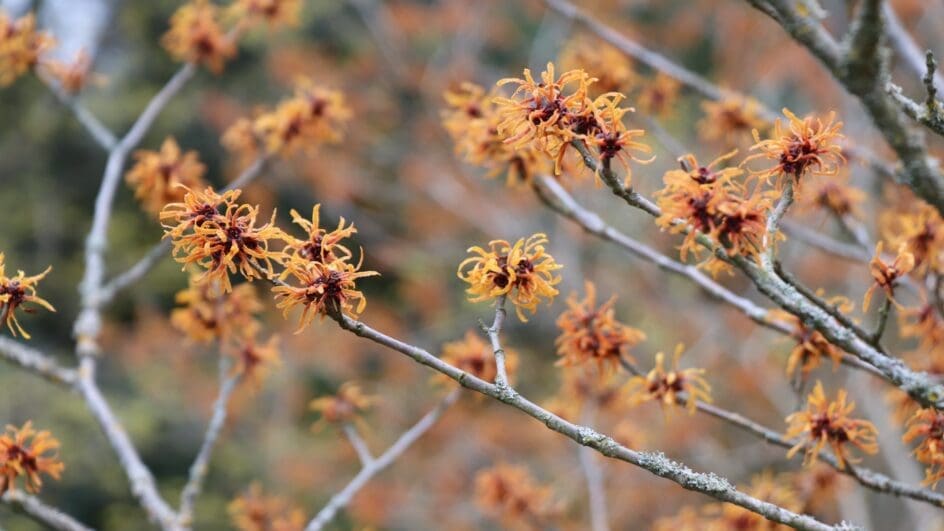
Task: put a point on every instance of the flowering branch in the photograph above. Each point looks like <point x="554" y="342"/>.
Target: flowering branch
<point x="48" y="516"/>
<point x="656" y="463"/>
<point x="198" y="470"/>
<point x="374" y="466"/>
<point x="867" y="478"/>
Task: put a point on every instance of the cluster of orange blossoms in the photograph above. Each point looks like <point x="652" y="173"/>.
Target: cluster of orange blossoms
<point x="927" y="427"/>
<point x="20" y="46"/>
<point x="887" y="275"/>
<point x="828" y="422"/>
<point x="203" y="33"/>
<point x="523" y="273"/>
<point x="592" y="333"/>
<point x="729" y="120"/>
<point x="161" y="177"/>
<point x="16" y="291"/>
<point x="510" y="494"/>
<point x="670" y="386"/>
<point x="313" y="116"/>
<point x="345" y="406"/>
<point x="811" y="346"/>
<point x="255" y="511"/>
<point x="27" y="453"/>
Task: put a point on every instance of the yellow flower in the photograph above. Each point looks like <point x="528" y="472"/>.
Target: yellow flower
<point x="322" y="289"/>
<point x="320" y="245"/>
<point x="666" y="386"/>
<point x="161" y="177"/>
<point x="313" y="116"/>
<point x="16" y="290"/>
<point x="827" y="422"/>
<point x="25" y="452"/>
<point x="254" y="511"/>
<point x="196" y="36"/>
<point x="20" y="46"/>
<point x="592" y="333"/>
<point x="886" y="275"/>
<point x="221" y="243"/>
<point x="612" y="68"/>
<point x="522" y="272"/>
<point x="808" y="147"/>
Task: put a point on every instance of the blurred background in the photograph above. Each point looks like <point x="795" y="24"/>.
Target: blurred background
<point x="417" y="208"/>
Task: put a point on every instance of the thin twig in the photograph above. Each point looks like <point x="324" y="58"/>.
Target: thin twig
<point x="198" y="470"/>
<point x="46" y="515"/>
<point x="813" y="238"/>
<point x="375" y="466"/>
<point x="494" y="336"/>
<point x="596" y="489"/>
<point x="101" y="134"/>
<point x="357" y="442"/>
<point x="903" y="43"/>
<point x="883" y="312"/>
<point x="35" y="361"/>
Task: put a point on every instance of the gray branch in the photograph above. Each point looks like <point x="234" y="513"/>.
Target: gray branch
<point x="46" y="515"/>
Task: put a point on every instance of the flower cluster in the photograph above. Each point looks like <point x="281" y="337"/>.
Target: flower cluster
<point x="509" y="493"/>
<point x="313" y="116"/>
<point x="828" y="422"/>
<point x="927" y="427"/>
<point x="196" y="35"/>
<point x="14" y="292"/>
<point x="523" y="272"/>
<point x="808" y="147"/>
<point x="25" y="452"/>
<point x="255" y="511"/>
<point x="20" y="46"/>
<point x="345" y="406"/>
<point x="219" y="236"/>
<point x="161" y="177"/>
<point x="921" y="231"/>
<point x="729" y="120"/>
<point x="474" y="356"/>
<point x="710" y="201"/>
<point x="612" y="69"/>
<point x="207" y="313"/>
<point x="321" y="266"/>
<point x="592" y="333"/>
<point x="669" y="386"/>
<point x="549" y="114"/>
<point x="810" y="347"/>
<point x="885" y="275"/>
<point x="471" y="120"/>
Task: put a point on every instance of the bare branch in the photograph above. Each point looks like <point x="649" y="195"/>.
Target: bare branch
<point x="101" y="134"/>
<point x="198" y="470"/>
<point x="813" y="238"/>
<point x="375" y="466"/>
<point x="46" y="515"/>
<point x="142" y="482"/>
<point x="357" y="442"/>
<point x="596" y="489"/>
<point x="35" y="361"/>
<point x="494" y="336"/>
<point x="906" y="47"/>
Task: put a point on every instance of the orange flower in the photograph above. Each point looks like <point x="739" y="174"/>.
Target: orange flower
<point x="885" y="275"/>
<point x="195" y="36"/>
<point x="240" y="138"/>
<point x="612" y="68"/>
<point x="313" y="116"/>
<point x="72" y="77"/>
<point x="809" y="147"/>
<point x="471" y="119"/>
<point x="835" y="195"/>
<point x="161" y="177"/>
<point x="510" y="493"/>
<point x="221" y="243"/>
<point x="729" y="120"/>
<point x="25" y="452"/>
<point x="321" y="245"/>
<point x="810" y="348"/>
<point x="921" y="231"/>
<point x="667" y="386"/>
<point x="523" y="272"/>
<point x="254" y="511"/>
<point x="14" y="291"/>
<point x="592" y="333"/>
<point x="474" y="356"/>
<point x="658" y="96"/>
<point x="272" y="12"/>
<point x="345" y="406"/>
<point x="927" y="426"/>
<point x="611" y="138"/>
<point x="254" y="359"/>
<point x="20" y="46"/>
<point x="208" y="314"/>
<point x="323" y="288"/>
<point x="826" y="422"/>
